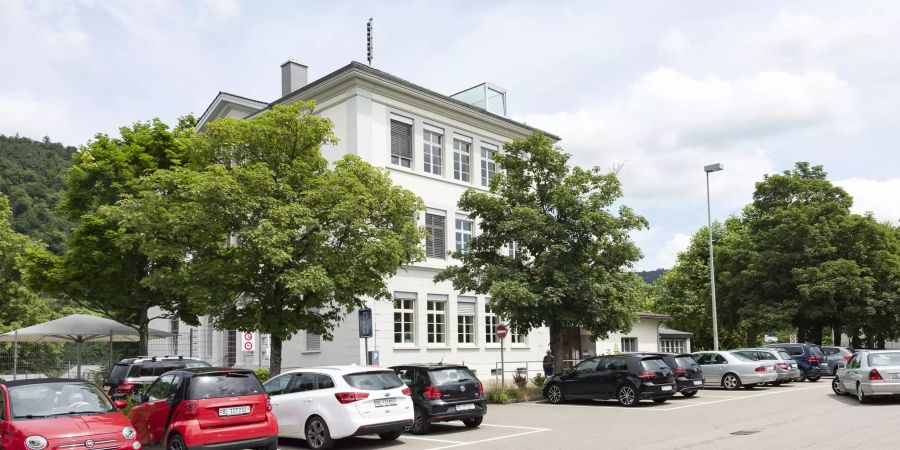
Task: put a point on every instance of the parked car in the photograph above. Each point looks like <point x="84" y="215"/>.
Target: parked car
<point x="688" y="374"/>
<point x="628" y="378"/>
<point x="322" y="404"/>
<point x="836" y="356"/>
<point x="443" y="393"/>
<point x="130" y="375"/>
<point x="206" y="407"/>
<point x="733" y="371"/>
<point x="53" y="413"/>
<point x="869" y="373"/>
<point x="809" y="359"/>
<point x="786" y="368"/>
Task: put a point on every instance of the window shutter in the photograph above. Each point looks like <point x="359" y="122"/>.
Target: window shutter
<point x="313" y="342"/>
<point x="401" y="139"/>
<point x="465" y="306"/>
<point x="435" y="241"/>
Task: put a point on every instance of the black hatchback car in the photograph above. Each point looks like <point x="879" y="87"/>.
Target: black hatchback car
<point x="628" y="378"/>
<point x="443" y="393"/>
<point x="688" y="374"/>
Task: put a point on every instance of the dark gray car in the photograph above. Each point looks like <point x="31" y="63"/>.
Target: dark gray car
<point x="835" y="356"/>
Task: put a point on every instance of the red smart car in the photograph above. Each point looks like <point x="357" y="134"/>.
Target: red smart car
<point x="53" y="413"/>
<point x="206" y="407"/>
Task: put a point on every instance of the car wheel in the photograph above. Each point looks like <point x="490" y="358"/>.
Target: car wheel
<point x="420" y="425"/>
<point x="801" y="378"/>
<point x="837" y="386"/>
<point x="731" y="381"/>
<point x="317" y="434"/>
<point x="626" y="395"/>
<point x="813" y="379"/>
<point x="554" y="394"/>
<point x="834" y="372"/>
<point x="860" y="395"/>
<point x="176" y="443"/>
<point x="393" y="435"/>
<point x="689" y="393"/>
<point x="473" y="422"/>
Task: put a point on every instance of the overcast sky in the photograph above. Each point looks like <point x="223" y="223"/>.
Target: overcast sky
<point x="661" y="88"/>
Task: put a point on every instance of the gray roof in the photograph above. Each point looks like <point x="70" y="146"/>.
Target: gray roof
<point x="668" y="332"/>
<point x="646" y="315"/>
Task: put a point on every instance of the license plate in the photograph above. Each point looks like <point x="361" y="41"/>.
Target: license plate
<point x="698" y="383"/>
<point x="381" y="402"/>
<point x="667" y="388"/>
<point x="234" y="411"/>
<point x="466" y="407"/>
<point x="896" y="375"/>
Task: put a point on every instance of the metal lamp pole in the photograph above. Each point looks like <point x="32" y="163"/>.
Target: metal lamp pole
<point x="712" y="266"/>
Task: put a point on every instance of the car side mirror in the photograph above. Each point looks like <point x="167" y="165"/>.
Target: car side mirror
<point x="120" y="404"/>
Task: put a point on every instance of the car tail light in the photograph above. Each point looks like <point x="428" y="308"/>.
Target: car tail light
<point x="268" y="403"/>
<point x="432" y="392"/>
<point x="407" y="391"/>
<point x="190" y="410"/>
<point x="847" y="357"/>
<point x="813" y="359"/>
<point x="761" y="369"/>
<point x="680" y="371"/>
<point x="350" y="397"/>
<point x="874" y="375"/>
<point x="480" y="388"/>
<point x="784" y="366"/>
<point x="125" y="387"/>
<point x="647" y="375"/>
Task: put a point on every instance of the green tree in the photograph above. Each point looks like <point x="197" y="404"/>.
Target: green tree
<point x="102" y="270"/>
<point x="570" y="246"/>
<point x="282" y="241"/>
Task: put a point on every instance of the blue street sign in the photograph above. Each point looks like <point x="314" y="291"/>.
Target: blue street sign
<point x="365" y="323"/>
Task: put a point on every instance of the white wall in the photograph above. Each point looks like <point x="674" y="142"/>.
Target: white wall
<point x="646" y="332"/>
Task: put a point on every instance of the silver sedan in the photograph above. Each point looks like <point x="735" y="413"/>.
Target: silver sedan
<point x="732" y="371"/>
<point x="869" y="373"/>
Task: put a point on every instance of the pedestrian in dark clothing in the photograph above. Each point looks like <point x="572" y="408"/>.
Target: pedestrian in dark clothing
<point x="548" y="364"/>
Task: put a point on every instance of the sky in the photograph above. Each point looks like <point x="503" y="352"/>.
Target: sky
<point x="655" y="90"/>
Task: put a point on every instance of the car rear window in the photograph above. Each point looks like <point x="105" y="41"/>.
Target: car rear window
<point x="784" y="355"/>
<point x="219" y="385"/>
<point x="374" y="381"/>
<point x="815" y="350"/>
<point x="192" y="364"/>
<point x="450" y="375"/>
<point x="653" y="364"/>
<point x="119" y="372"/>
<point x="884" y="359"/>
<point x="685" y="361"/>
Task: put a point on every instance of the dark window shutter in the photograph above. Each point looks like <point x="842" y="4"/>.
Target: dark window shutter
<point x="401" y="140"/>
<point x="435" y="240"/>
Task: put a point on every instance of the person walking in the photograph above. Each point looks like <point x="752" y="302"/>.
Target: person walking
<point x="548" y="364"/>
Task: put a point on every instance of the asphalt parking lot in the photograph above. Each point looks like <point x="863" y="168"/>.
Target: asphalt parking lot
<point x="798" y="415"/>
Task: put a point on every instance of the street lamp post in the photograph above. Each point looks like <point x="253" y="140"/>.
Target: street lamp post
<point x="712" y="266"/>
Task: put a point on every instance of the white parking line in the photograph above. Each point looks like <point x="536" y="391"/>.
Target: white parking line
<point x="443" y="441"/>
<point x="481" y="441"/>
<point x="763" y="394"/>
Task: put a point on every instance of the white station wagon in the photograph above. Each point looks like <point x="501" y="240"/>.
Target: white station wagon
<point x="321" y="404"/>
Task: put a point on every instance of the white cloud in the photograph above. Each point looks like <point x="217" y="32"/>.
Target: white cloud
<point x="877" y="196"/>
<point x="667" y="255"/>
<point x="674" y="44"/>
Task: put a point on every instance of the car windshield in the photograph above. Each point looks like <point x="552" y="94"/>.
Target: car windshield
<point x="34" y="401"/>
<point x="651" y="365"/>
<point x="884" y="359"/>
<point x="118" y="372"/>
<point x="450" y="375"/>
<point x="373" y="381"/>
<point x="685" y="361"/>
<point x="220" y="385"/>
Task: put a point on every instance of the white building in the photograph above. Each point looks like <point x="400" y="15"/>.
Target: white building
<point x="437" y="146"/>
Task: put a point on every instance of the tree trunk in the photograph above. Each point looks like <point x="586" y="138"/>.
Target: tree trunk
<point x="815" y="335"/>
<point x="144" y="333"/>
<point x="275" y="357"/>
<point x="855" y="340"/>
<point x="556" y="347"/>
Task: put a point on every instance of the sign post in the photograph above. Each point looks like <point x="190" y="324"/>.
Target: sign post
<point x="501" y="334"/>
<point x="365" y="330"/>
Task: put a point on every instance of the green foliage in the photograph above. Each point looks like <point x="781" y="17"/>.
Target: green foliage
<point x="263" y="374"/>
<point x="312" y="239"/>
<point x="539" y="380"/>
<point x="498" y="395"/>
<point x="31" y="175"/>
<point x="572" y="248"/>
<point x="520" y="379"/>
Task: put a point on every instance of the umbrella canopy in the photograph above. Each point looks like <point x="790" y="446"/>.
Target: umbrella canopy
<point x="79" y="328"/>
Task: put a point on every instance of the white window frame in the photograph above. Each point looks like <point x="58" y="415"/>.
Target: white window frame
<point x="462" y="159"/>
<point x="670" y="345"/>
<point x="629" y="339"/>
<point x="466" y="325"/>
<point x="436" y="319"/>
<point x="488" y="165"/>
<point x="463" y="236"/>
<point x="517" y="338"/>
<point x="491" y="320"/>
<point x="405" y="316"/>
<point x="433" y="150"/>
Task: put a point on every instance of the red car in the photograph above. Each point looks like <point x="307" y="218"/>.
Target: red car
<point x="53" y="413"/>
<point x="206" y="408"/>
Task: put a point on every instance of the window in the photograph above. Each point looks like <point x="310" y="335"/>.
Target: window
<point x="435" y="246"/>
<point x="587" y="366"/>
<point x="234" y="384"/>
<point x="613" y="363"/>
<point x="629" y="344"/>
<point x="404" y="314"/>
<point x="488" y="166"/>
<point x="515" y="337"/>
<point x="406" y="375"/>
<point x="465" y="320"/>
<point x="313" y="342"/>
<point x="173" y="327"/>
<point x="278" y="385"/>
<point x="462" y="160"/>
<point x="433" y="152"/>
<point x="436" y="312"/>
<point x="303" y="382"/>
<point x="671" y="345"/>
<point x="463" y="235"/>
<point x="162" y="389"/>
<point x="490" y="326"/>
<point x="512" y="249"/>
<point x="324" y="381"/>
<point x="401" y="143"/>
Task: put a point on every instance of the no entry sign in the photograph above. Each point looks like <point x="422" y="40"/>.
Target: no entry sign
<point x="501" y="331"/>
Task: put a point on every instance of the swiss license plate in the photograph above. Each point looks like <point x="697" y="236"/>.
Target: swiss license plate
<point x="381" y="402"/>
<point x="667" y="388"/>
<point x="466" y="407"/>
<point x="697" y="383"/>
<point x="895" y="375"/>
<point x="234" y="411"/>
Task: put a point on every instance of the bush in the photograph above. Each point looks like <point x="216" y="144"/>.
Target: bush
<point x="520" y="379"/>
<point x="262" y="373"/>
<point x="539" y="380"/>
<point x="497" y="395"/>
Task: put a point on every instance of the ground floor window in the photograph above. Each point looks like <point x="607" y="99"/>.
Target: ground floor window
<point x="404" y="318"/>
<point x="437" y="319"/>
<point x="515" y="337"/>
<point x="671" y="345"/>
<point x="629" y="344"/>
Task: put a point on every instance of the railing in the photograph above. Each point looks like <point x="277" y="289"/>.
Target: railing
<point x="527" y="368"/>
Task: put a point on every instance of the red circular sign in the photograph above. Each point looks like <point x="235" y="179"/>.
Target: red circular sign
<point x="501" y="331"/>
<point x="248" y="346"/>
<point x="248" y="336"/>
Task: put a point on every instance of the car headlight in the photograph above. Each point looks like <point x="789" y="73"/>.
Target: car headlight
<point x="136" y="445"/>
<point x="128" y="433"/>
<point x="36" y="442"/>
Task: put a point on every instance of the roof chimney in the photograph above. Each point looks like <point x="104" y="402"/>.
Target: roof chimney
<point x="293" y="77"/>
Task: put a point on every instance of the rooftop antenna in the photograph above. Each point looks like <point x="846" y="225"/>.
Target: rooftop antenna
<point x="369" y="41"/>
